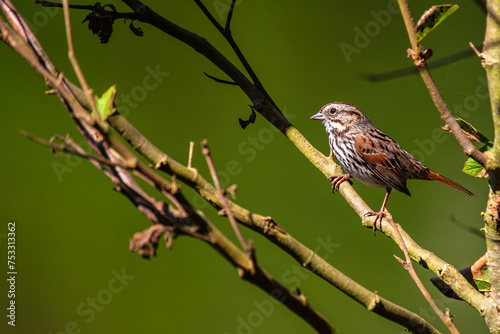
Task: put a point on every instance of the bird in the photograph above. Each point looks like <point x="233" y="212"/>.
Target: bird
<point x="369" y="155"/>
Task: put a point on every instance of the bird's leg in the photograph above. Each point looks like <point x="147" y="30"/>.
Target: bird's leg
<point x="379" y="215"/>
<point x="338" y="179"/>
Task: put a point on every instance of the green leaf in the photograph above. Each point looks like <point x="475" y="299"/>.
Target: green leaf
<point x="474" y="168"/>
<point x="104" y="104"/>
<point x="483" y="284"/>
<point x="432" y="18"/>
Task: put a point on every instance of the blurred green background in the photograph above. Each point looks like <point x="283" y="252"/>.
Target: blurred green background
<point x="73" y="229"/>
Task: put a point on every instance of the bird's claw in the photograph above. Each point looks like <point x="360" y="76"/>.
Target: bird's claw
<point x="338" y="179"/>
<point x="378" y="219"/>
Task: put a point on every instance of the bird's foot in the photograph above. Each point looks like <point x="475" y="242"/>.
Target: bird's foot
<point x="338" y="179"/>
<point x="378" y="219"/>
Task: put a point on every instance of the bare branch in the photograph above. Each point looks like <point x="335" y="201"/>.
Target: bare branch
<point x="222" y="197"/>
<point x="227" y="82"/>
<point x="410" y="70"/>
<point x="190" y="156"/>
<point x="230" y="15"/>
<point x="408" y="265"/>
<point x="74" y="61"/>
<point x="491" y="64"/>
<point x="226" y="32"/>
<point x="446" y="115"/>
<point x="94" y="8"/>
<point x="69" y="147"/>
<point x="409" y="24"/>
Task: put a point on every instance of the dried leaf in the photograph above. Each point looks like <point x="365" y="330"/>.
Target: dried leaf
<point x="100" y="23"/>
<point x="137" y="31"/>
<point x="250" y="120"/>
<point x="427" y="54"/>
<point x="168" y="239"/>
<point x="471" y="132"/>
<point x="146" y="242"/>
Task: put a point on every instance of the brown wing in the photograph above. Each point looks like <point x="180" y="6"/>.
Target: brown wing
<point x="382" y="158"/>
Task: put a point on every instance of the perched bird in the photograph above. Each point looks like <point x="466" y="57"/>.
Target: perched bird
<point x="370" y="156"/>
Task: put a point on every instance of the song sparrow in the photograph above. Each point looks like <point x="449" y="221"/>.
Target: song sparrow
<point x="371" y="156"/>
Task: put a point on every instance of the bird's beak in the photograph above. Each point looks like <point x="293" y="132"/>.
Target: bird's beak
<point x="319" y="116"/>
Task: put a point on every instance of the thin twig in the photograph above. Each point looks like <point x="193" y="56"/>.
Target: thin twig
<point x="74" y="61"/>
<point x="61" y="5"/>
<point x="409" y="24"/>
<point x="438" y="100"/>
<point x="478" y="266"/>
<point x="70" y="149"/>
<point x="222" y="196"/>
<point x="230" y="15"/>
<point x="408" y="265"/>
<point x="22" y="39"/>
<point x="226" y="32"/>
<point x="209" y="15"/>
<point x="475" y="50"/>
<point x="227" y="82"/>
<point x="410" y="70"/>
<point x="190" y="156"/>
<point x="93" y="8"/>
<point x="469" y="149"/>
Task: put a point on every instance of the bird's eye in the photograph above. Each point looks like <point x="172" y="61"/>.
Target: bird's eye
<point x="332" y="111"/>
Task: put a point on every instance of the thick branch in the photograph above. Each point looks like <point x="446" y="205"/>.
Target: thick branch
<point x="491" y="59"/>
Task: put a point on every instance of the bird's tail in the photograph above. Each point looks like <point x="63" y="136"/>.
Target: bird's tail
<point x="444" y="180"/>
